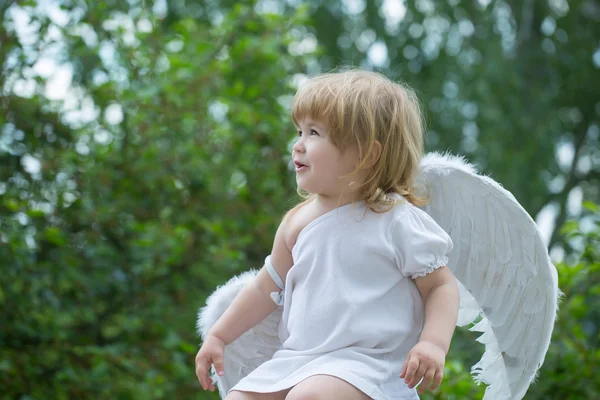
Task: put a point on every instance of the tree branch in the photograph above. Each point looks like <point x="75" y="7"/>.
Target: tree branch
<point x="572" y="181"/>
<point x="525" y="26"/>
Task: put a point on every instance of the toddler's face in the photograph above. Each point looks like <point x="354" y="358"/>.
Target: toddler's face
<point x="320" y="166"/>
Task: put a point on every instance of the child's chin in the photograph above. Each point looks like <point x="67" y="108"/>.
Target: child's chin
<point x="302" y="186"/>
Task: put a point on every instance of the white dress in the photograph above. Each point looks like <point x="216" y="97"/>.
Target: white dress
<point x="350" y="307"/>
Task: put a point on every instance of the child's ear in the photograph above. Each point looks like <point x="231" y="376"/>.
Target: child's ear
<point x="372" y="158"/>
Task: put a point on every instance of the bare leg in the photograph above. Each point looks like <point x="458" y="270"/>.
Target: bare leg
<point x="237" y="395"/>
<point x="325" y="387"/>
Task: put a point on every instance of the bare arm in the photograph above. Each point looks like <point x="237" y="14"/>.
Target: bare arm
<point x="253" y="303"/>
<point x="440" y="294"/>
<point x="426" y="359"/>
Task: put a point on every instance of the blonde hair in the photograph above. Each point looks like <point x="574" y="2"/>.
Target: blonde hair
<point x="359" y="108"/>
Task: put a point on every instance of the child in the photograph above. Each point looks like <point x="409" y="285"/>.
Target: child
<point x="369" y="305"/>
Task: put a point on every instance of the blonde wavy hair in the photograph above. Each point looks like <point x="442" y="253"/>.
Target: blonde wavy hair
<point x="361" y="107"/>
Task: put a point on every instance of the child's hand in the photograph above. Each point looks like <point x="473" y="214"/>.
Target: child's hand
<point x="425" y="360"/>
<point x="210" y="353"/>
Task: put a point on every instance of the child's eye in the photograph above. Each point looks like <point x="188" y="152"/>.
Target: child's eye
<point x="312" y="132"/>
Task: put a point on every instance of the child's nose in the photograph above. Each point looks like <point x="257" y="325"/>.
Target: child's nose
<point x="299" y="146"/>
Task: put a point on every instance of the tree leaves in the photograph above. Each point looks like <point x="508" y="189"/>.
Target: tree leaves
<point x="101" y="288"/>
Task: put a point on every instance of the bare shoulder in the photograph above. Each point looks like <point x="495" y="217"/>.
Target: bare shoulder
<point x="285" y="237"/>
<point x="296" y="220"/>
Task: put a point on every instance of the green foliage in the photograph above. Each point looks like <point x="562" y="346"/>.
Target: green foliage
<point x="457" y="384"/>
<point x="109" y="250"/>
<point x="569" y="371"/>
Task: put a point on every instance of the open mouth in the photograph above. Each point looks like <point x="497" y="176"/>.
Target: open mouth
<point x="300" y="166"/>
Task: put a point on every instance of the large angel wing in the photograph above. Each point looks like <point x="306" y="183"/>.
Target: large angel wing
<point x="252" y="348"/>
<point x="506" y="276"/>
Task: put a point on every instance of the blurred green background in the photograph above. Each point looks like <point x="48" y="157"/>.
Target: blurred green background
<point x="144" y="160"/>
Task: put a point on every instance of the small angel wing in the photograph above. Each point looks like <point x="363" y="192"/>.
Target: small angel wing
<point x="507" y="281"/>
<point x="252" y="348"/>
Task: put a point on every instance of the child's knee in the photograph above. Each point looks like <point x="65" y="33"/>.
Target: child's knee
<point x="305" y="393"/>
<point x="235" y="395"/>
<point x="325" y="387"/>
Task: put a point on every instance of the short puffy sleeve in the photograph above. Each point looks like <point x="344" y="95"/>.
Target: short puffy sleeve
<point x="421" y="245"/>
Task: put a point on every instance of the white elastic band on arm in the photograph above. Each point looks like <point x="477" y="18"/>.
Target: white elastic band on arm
<point x="274" y="275"/>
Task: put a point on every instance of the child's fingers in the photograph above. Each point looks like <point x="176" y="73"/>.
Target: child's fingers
<point x="218" y="363"/>
<point x="404" y="367"/>
<point x="210" y="385"/>
<point x="209" y="382"/>
<point x="202" y="373"/>
<point x="199" y="364"/>
<point x="411" y="370"/>
<point x="418" y="375"/>
<point x="427" y="380"/>
<point x="437" y="380"/>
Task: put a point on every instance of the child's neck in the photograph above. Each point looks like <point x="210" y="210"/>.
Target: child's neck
<point x="327" y="203"/>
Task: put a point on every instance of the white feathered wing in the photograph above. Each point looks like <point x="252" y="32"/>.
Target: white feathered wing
<point x="506" y="279"/>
